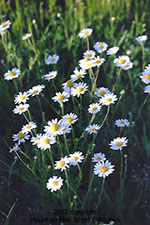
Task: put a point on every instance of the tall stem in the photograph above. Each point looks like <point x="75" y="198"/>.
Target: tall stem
<point x="100" y="196"/>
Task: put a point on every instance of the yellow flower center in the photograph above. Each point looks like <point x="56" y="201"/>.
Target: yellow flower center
<point x="61" y="163"/>
<point x="75" y="158"/>
<point x="22" y="97"/>
<point x="89" y="55"/>
<point x="121" y="61"/>
<point x="78" y="75"/>
<point x="100" y="46"/>
<point x="37" y="139"/>
<point x="51" y="75"/>
<point x="61" y="97"/>
<point x="55" y="183"/>
<point x="54" y="127"/>
<point x="119" y="143"/>
<point x="93" y="129"/>
<point x="52" y="60"/>
<point x="86" y="33"/>
<point x="69" y="83"/>
<point x="149" y="90"/>
<point x="94" y="108"/>
<point x="46" y="141"/>
<point x="97" y="61"/>
<point x="12" y="74"/>
<point x="98" y="158"/>
<point x="102" y="92"/>
<point x="69" y="120"/>
<point x="28" y="127"/>
<point x="21" y="109"/>
<point x="4" y="25"/>
<point x="79" y="89"/>
<point x="122" y="122"/>
<point x="35" y="91"/>
<point x="104" y="169"/>
<point x="147" y="76"/>
<point x="20" y="135"/>
<point x="108" y="99"/>
<point x="86" y="59"/>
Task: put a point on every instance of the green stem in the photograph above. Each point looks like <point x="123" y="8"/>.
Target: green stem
<point x="88" y="44"/>
<point x="108" y="108"/>
<point x="100" y="196"/>
<point x="67" y="180"/>
<point x="66" y="144"/>
<point x="42" y="113"/>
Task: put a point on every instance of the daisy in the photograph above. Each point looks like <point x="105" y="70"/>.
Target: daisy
<point x="21" y="108"/>
<point x="121" y="61"/>
<point x="51" y="75"/>
<point x="79" y="89"/>
<point x="94" y="108"/>
<point x="112" y="51"/>
<point x="4" y="26"/>
<point x="26" y="36"/>
<point x="61" y="97"/>
<point x="46" y="141"/>
<point x="146" y="76"/>
<point x="62" y="164"/>
<point x="118" y="143"/>
<point x="141" y="38"/>
<point x="36" y="140"/>
<point x="147" y="67"/>
<point x="21" y="97"/>
<point x="54" y="183"/>
<point x="103" y="169"/>
<point x="100" y="92"/>
<point x="69" y="118"/>
<point x="147" y="89"/>
<point x="20" y="137"/>
<point x="92" y="129"/>
<point x="98" y="157"/>
<point x="108" y="99"/>
<point x="65" y="129"/>
<point x="85" y="33"/>
<point x="68" y="85"/>
<point x="86" y="64"/>
<point x="75" y="158"/>
<point x="78" y="74"/>
<point x="98" y="61"/>
<point x="122" y="123"/>
<point x="28" y="127"/>
<point x="11" y="74"/>
<point x="52" y="59"/>
<point x="54" y="127"/>
<point x="14" y="148"/>
<point x="36" y="90"/>
<point x="100" y="46"/>
<point x="89" y="54"/>
<point x="127" y="66"/>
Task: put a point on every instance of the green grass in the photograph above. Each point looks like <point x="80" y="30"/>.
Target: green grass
<point x="54" y="26"/>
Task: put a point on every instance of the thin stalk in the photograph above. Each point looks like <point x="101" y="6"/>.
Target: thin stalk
<point x="100" y="196"/>
<point x="67" y="180"/>
<point x="43" y="117"/>
<point x="88" y="44"/>
<point x="108" y="108"/>
<point x="66" y="144"/>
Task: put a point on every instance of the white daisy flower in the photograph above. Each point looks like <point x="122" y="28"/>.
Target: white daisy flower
<point x="85" y="33"/>
<point x="100" y="92"/>
<point x="112" y="51"/>
<point x="51" y="75"/>
<point x="146" y="76"/>
<point x="11" y="74"/>
<point x="122" y="123"/>
<point x="4" y="26"/>
<point x="100" y="46"/>
<point x="108" y="99"/>
<point x="127" y="66"/>
<point x="54" y="127"/>
<point x="62" y="164"/>
<point x="98" y="157"/>
<point x="75" y="158"/>
<point x="28" y="127"/>
<point x="92" y="129"/>
<point x="79" y="89"/>
<point x="46" y="141"/>
<point x="69" y="118"/>
<point x="36" y="140"/>
<point x="54" y="183"/>
<point x="52" y="59"/>
<point x="141" y="38"/>
<point x="36" y="90"/>
<point x="86" y="64"/>
<point x="118" y="143"/>
<point x="26" y="36"/>
<point x="147" y="67"/>
<point x="94" y="108"/>
<point x="78" y="74"/>
<point x="147" y="89"/>
<point x="103" y="169"/>
<point x="65" y="129"/>
<point x="98" y="61"/>
<point x="21" y="97"/>
<point x="14" y="148"/>
<point x="68" y="85"/>
<point x="61" y="97"/>
<point x="89" y="54"/>
<point x="20" y="137"/>
<point x="21" y="108"/>
<point x="121" y="61"/>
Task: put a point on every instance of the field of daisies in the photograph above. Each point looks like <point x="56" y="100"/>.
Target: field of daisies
<point x="74" y="112"/>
